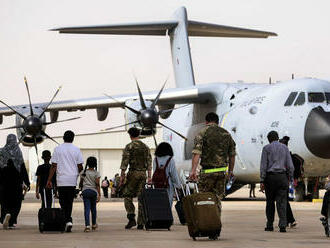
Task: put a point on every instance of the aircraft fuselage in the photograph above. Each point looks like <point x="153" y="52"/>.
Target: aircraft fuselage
<point x="297" y="108"/>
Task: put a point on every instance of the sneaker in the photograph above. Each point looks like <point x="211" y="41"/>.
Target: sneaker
<point x="6" y="221"/>
<point x="12" y="227"/>
<point x="282" y="229"/>
<point x="87" y="229"/>
<point x="293" y="224"/>
<point x="140" y="227"/>
<point x="269" y="229"/>
<point x="68" y="226"/>
<point x="94" y="227"/>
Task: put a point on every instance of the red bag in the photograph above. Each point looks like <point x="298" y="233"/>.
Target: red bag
<point x="159" y="178"/>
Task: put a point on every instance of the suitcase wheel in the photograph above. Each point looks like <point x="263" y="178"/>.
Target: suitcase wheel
<point x="169" y="229"/>
<point x="41" y="228"/>
<point x="194" y="238"/>
<point x="213" y="237"/>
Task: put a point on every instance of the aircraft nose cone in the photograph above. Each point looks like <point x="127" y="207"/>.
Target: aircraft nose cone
<point x="317" y="133"/>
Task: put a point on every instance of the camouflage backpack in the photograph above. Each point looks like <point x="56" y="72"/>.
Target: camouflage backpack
<point x="159" y="178"/>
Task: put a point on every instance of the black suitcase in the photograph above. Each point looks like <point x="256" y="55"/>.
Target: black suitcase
<point x="51" y="219"/>
<point x="179" y="207"/>
<point x="157" y="213"/>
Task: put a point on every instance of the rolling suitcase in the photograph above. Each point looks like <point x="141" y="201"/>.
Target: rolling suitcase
<point x="179" y="206"/>
<point x="157" y="213"/>
<point x="202" y="213"/>
<point x="51" y="219"/>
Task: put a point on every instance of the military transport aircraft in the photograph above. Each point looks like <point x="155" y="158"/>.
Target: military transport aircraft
<point x="297" y="108"/>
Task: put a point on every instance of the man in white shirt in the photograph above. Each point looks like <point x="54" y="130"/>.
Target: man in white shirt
<point x="67" y="162"/>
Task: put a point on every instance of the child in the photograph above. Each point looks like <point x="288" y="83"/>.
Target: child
<point x="90" y="186"/>
<point x="42" y="176"/>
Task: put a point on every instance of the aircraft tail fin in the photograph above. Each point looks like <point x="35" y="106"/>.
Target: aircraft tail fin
<point x="179" y="30"/>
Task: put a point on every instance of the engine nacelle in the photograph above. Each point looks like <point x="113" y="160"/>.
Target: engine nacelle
<point x="132" y="117"/>
<point x="28" y="140"/>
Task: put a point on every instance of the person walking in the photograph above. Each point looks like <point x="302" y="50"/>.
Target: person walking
<point x="67" y="162"/>
<point x="325" y="210"/>
<point x="252" y="190"/>
<point x="137" y="156"/>
<point x="105" y="187"/>
<point x="291" y="221"/>
<point x="90" y="187"/>
<point x="215" y="149"/>
<point x="14" y="174"/>
<point x="42" y="176"/>
<point x="164" y="161"/>
<point x="275" y="167"/>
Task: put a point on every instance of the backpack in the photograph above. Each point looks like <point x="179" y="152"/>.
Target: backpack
<point x="159" y="178"/>
<point x="105" y="184"/>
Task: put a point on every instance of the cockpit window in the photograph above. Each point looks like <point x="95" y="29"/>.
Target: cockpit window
<point x="327" y="96"/>
<point x="290" y="99"/>
<point x="300" y="99"/>
<point x="316" y="97"/>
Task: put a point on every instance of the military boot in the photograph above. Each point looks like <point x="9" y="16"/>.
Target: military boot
<point x="131" y="221"/>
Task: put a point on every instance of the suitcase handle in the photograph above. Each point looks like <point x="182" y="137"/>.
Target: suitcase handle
<point x="53" y="200"/>
<point x="176" y="192"/>
<point x="188" y="189"/>
<point x="149" y="185"/>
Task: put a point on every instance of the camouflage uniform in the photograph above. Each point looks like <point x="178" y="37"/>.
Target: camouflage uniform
<point x="215" y="146"/>
<point x="137" y="156"/>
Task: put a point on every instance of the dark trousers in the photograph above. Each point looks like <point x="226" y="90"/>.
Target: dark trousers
<point x="49" y="198"/>
<point x="1" y="204"/>
<point x="289" y="214"/>
<point x="325" y="204"/>
<point x="106" y="192"/>
<point x="11" y="204"/>
<point x="276" y="187"/>
<point x="66" y="195"/>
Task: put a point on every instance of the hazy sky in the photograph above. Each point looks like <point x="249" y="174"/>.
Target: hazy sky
<point x="88" y="65"/>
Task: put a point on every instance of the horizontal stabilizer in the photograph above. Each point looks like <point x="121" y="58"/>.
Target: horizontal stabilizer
<point x="160" y="28"/>
<point x="148" y="28"/>
<point x="213" y="30"/>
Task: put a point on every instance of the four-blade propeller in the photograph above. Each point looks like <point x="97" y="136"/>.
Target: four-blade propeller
<point x="33" y="124"/>
<point x="147" y="117"/>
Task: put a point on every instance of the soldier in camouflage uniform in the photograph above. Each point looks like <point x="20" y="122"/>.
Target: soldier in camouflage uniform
<point x="215" y="149"/>
<point x="137" y="156"/>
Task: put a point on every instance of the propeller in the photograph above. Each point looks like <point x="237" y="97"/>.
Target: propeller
<point x="33" y="124"/>
<point x="148" y="117"/>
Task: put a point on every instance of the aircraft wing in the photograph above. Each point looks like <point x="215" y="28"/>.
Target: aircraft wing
<point x="187" y="95"/>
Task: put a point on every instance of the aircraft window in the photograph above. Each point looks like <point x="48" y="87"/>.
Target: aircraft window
<point x="300" y="99"/>
<point x="327" y="96"/>
<point x="316" y="97"/>
<point x="290" y="99"/>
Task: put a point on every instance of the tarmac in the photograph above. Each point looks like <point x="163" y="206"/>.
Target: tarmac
<point x="243" y="222"/>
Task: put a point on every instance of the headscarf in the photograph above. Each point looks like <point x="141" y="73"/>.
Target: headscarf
<point x="11" y="151"/>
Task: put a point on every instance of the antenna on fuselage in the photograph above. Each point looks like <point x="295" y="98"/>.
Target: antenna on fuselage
<point x="292" y="76"/>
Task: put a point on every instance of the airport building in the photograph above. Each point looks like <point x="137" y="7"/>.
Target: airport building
<point x="107" y="147"/>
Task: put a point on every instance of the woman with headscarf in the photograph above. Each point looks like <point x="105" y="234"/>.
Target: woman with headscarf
<point x="14" y="174"/>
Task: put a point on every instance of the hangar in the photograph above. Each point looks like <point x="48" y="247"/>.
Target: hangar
<point x="107" y="147"/>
